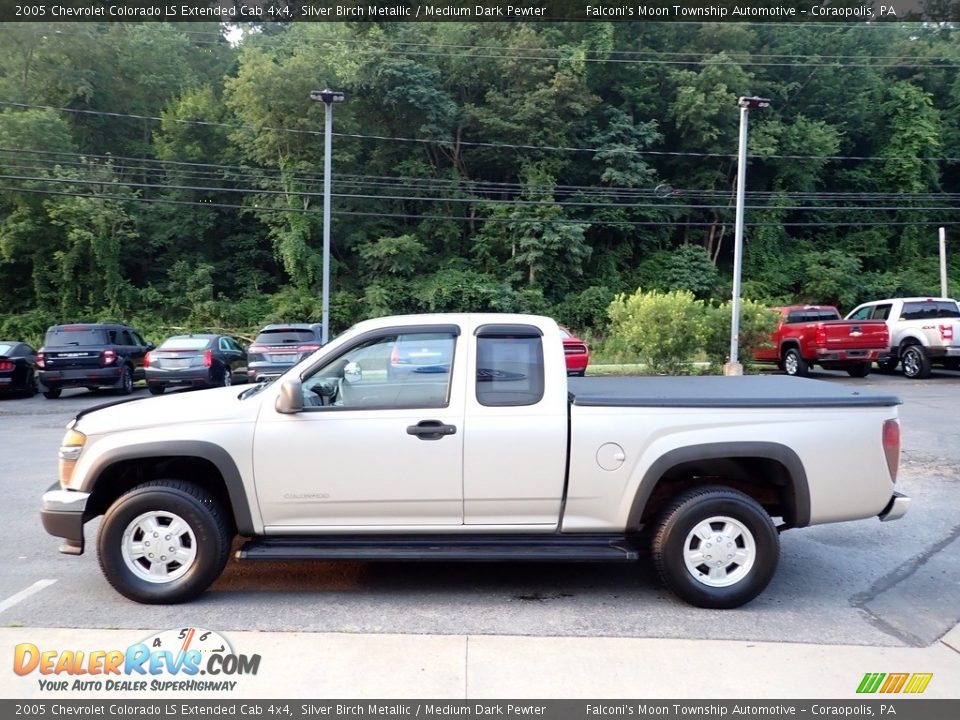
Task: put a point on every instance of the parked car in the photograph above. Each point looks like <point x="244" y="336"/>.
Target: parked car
<point x="18" y="368"/>
<point x="923" y="332"/>
<point x="91" y="355"/>
<point x="421" y="354"/>
<point x="199" y="361"/>
<point x="278" y="347"/>
<point x="576" y="352"/>
<point x="501" y="458"/>
<point x="810" y="335"/>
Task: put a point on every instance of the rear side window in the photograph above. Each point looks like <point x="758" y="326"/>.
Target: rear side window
<point x="509" y="370"/>
<point x="5" y="349"/>
<point x="74" y="336"/>
<point x="929" y="310"/>
<point x="285" y="336"/>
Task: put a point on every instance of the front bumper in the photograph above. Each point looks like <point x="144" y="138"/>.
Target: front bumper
<point x="62" y="514"/>
<point x="896" y="508"/>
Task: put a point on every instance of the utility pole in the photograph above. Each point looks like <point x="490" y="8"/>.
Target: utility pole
<point x="733" y="366"/>
<point x="328" y="98"/>
<point x="943" y="262"/>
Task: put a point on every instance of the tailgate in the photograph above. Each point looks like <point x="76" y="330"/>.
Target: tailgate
<point x="856" y="335"/>
<point x="71" y="359"/>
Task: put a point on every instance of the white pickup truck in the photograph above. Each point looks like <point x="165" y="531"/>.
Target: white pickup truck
<point x="923" y="332"/>
<point x="458" y="438"/>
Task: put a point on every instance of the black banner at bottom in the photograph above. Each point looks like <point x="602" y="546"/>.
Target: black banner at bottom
<point x="898" y="709"/>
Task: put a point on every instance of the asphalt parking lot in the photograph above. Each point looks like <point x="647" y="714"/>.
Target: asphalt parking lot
<point x="861" y="583"/>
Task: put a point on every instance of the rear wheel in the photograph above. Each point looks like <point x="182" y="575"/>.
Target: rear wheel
<point x="164" y="542"/>
<point x="226" y="378"/>
<point x="716" y="547"/>
<point x="859" y="370"/>
<point x="915" y="362"/>
<point x="794" y="364"/>
<point x="156" y="389"/>
<point x="52" y="393"/>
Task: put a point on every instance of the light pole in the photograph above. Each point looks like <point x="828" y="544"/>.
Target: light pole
<point x="328" y="97"/>
<point x="733" y="367"/>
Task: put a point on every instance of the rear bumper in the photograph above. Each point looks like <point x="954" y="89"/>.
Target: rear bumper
<point x="826" y="355"/>
<point x="80" y="377"/>
<point x="186" y="377"/>
<point x="62" y="514"/>
<point x="896" y="508"/>
<point x="258" y="372"/>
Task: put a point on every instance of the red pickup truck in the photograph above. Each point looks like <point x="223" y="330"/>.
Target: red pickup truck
<point x="815" y="335"/>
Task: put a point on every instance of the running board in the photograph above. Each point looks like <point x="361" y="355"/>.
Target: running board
<point x="460" y="548"/>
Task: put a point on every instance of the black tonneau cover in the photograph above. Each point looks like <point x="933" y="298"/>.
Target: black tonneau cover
<point x="750" y="391"/>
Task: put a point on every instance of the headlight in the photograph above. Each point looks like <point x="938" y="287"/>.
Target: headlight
<point x="70" y="448"/>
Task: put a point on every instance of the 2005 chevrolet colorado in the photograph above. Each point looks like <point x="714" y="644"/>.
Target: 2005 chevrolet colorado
<point x="457" y="437"/>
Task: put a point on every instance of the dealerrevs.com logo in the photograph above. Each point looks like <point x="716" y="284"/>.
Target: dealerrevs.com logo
<point x="181" y="660"/>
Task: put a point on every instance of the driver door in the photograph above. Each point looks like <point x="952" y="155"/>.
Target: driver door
<point x="379" y="442"/>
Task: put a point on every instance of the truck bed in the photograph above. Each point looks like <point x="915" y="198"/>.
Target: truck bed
<point x="735" y="392"/>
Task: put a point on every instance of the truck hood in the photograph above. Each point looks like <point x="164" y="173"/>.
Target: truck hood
<point x="202" y="406"/>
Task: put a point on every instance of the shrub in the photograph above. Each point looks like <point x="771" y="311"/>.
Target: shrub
<point x="757" y="323"/>
<point x="666" y="330"/>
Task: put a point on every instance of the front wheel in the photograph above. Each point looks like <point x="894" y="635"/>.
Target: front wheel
<point x="888" y="365"/>
<point x="716" y="547"/>
<point x="859" y="370"/>
<point x="165" y="541"/>
<point x="915" y="362"/>
<point x="125" y="383"/>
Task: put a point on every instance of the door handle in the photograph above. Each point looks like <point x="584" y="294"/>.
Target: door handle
<point x="431" y="429"/>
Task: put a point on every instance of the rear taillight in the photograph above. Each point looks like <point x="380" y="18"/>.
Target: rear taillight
<point x="256" y="349"/>
<point x="308" y="348"/>
<point x="946" y="333"/>
<point x="820" y="336"/>
<point x="208" y="358"/>
<point x="108" y="357"/>
<point x="41" y="360"/>
<point x="4" y="365"/>
<point x="891" y="446"/>
<point x="147" y="359"/>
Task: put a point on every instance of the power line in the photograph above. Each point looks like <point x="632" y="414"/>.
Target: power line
<point x="464" y="218"/>
<point x="495" y="145"/>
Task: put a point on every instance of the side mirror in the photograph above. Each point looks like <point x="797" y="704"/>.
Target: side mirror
<point x="290" y="399"/>
<point x="151" y="346"/>
<point x="352" y="372"/>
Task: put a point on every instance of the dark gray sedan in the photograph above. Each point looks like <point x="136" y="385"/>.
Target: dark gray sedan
<point x="197" y="361"/>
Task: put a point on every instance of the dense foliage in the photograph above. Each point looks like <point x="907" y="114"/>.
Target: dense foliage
<point x="163" y="175"/>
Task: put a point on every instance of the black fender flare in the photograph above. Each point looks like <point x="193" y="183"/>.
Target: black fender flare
<point x="208" y="451"/>
<point x="796" y="474"/>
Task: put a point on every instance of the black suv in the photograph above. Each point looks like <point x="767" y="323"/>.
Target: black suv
<point x="91" y="356"/>
<point x="277" y="348"/>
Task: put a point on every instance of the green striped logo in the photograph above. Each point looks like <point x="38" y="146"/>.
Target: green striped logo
<point x="889" y="683"/>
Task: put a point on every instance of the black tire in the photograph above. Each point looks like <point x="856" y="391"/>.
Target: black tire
<point x="888" y="365"/>
<point x="201" y="515"/>
<point x="125" y="383"/>
<point x="226" y="377"/>
<point x="859" y="370"/>
<point x="30" y="388"/>
<point x="156" y="389"/>
<point x="52" y="393"/>
<point x="794" y="364"/>
<point x="674" y="543"/>
<point x="915" y="362"/>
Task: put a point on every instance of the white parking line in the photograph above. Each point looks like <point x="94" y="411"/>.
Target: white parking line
<point x="24" y="594"/>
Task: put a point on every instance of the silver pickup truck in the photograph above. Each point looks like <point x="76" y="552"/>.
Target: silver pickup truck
<point x="458" y="438"/>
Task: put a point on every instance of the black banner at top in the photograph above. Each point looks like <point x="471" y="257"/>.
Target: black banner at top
<point x="246" y="11"/>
